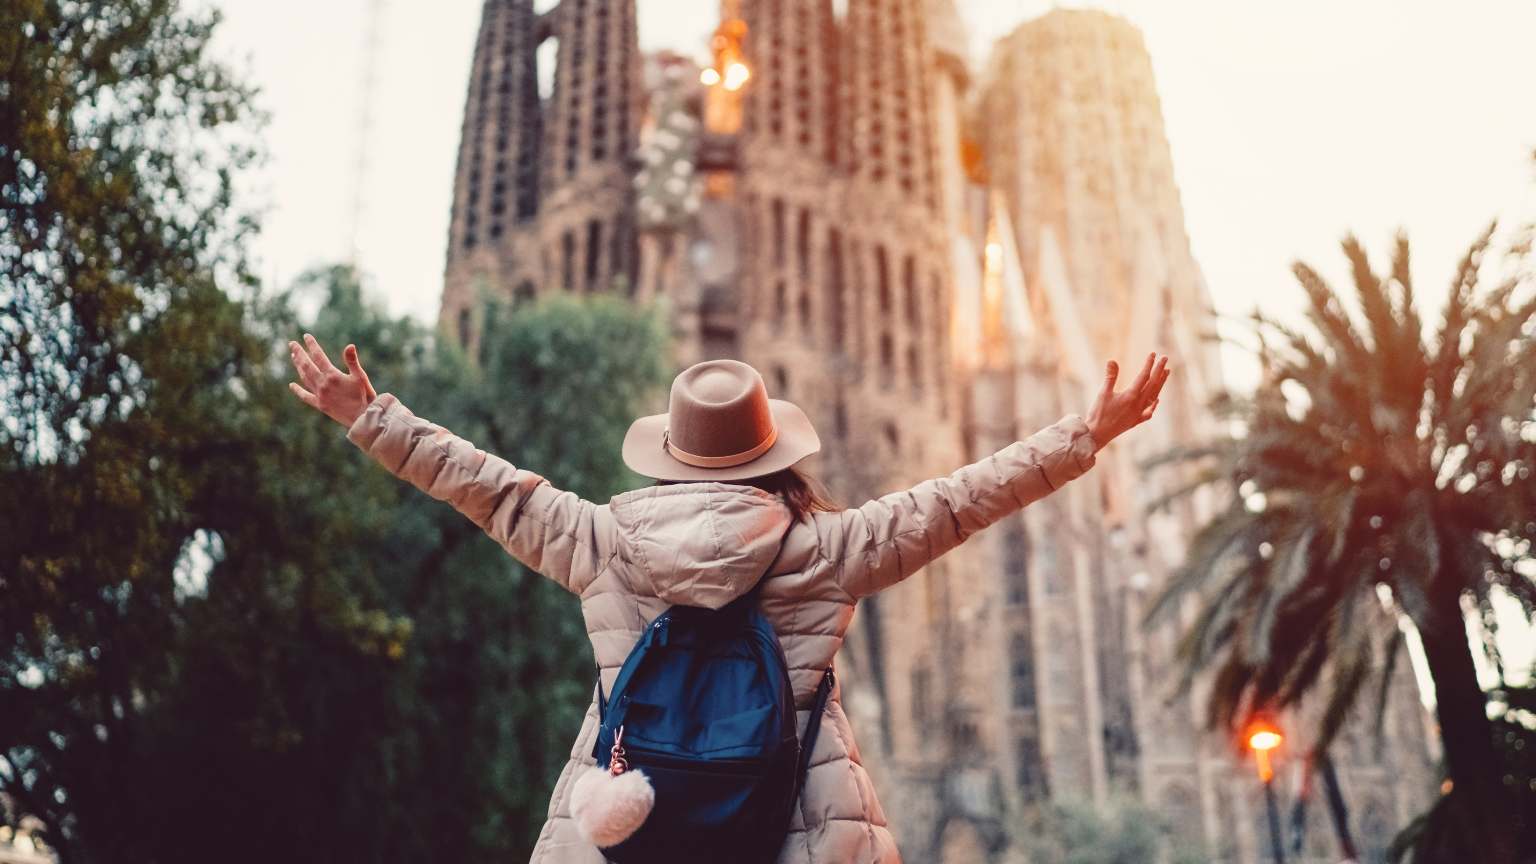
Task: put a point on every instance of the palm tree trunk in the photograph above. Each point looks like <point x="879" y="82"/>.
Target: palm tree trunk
<point x="1466" y="733"/>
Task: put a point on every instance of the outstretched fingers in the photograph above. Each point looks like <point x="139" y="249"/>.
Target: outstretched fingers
<point x="305" y="396"/>
<point x="1111" y="372"/>
<point x="305" y="366"/>
<point x="1143" y="376"/>
<point x="1150" y="392"/>
<point x="317" y="354"/>
<point x="356" y="367"/>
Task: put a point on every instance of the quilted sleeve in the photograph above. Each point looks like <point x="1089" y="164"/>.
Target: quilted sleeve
<point x="550" y="531"/>
<point x="889" y="538"/>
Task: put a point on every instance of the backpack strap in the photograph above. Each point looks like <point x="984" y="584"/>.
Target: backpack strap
<point x="813" y="728"/>
<point x="739" y="606"/>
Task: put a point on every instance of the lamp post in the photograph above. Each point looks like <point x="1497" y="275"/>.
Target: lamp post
<point x="1263" y="738"/>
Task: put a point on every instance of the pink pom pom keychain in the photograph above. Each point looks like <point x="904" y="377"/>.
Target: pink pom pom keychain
<point x="611" y="804"/>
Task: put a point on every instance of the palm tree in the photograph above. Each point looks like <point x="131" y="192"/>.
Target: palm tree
<point x="1372" y="456"/>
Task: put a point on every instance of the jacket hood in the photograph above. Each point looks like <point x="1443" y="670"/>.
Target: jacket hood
<point x="700" y="544"/>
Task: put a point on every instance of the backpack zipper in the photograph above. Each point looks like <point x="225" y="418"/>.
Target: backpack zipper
<point x="644" y="758"/>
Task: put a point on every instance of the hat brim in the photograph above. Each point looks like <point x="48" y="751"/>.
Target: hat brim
<point x="644" y="454"/>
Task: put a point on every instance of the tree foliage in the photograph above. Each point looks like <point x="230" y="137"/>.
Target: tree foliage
<point x="332" y="663"/>
<point x="1374" y="456"/>
<point x="224" y="634"/>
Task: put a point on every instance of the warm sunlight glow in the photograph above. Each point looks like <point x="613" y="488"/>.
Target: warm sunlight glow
<point x="736" y="75"/>
<point x="709" y="77"/>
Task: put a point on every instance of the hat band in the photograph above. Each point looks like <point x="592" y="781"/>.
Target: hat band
<point x="728" y="461"/>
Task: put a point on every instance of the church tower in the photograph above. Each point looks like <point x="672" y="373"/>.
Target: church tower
<point x="542" y="196"/>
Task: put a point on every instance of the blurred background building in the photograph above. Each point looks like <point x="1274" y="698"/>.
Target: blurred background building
<point x="933" y="260"/>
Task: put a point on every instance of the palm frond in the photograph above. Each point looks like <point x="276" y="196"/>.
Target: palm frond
<point x="1352" y="659"/>
<point x="1331" y="320"/>
<point x="1202" y="478"/>
<point x="1294" y="559"/>
<point x="1298" y="676"/>
<point x="1341" y="523"/>
<point x="1209" y="548"/>
<point x="1493" y="329"/>
<point x="1293" y="340"/>
<point x="1416" y="557"/>
<point x="1503" y="387"/>
<point x="1228" y="704"/>
<point x="1281" y="453"/>
<point x="1226" y="405"/>
<point x="1187" y="453"/>
<point x="1337" y="394"/>
<point x="1446" y="365"/>
<point x="1372" y="295"/>
<point x="1219" y="620"/>
<point x="1407" y="313"/>
<point x="1393" y="647"/>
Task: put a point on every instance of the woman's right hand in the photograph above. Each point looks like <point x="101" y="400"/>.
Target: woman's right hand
<point x="1114" y="413"/>
<point x="332" y="392"/>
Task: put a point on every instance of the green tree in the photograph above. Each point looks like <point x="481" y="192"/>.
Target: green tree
<point x="225" y="635"/>
<point x="118" y="143"/>
<point x="499" y="671"/>
<point x="1374" y="457"/>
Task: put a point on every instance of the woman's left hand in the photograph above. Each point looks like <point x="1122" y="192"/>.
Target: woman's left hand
<point x="332" y="392"/>
<point x="1114" y="413"/>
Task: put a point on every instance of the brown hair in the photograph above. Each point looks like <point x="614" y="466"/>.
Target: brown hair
<point x="799" y="490"/>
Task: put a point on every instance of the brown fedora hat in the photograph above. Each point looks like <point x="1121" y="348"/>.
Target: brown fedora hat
<point x="720" y="425"/>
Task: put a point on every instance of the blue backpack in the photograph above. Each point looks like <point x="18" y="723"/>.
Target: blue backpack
<point x="703" y="705"/>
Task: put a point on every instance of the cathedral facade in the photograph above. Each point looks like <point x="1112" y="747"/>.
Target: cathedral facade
<point x="933" y="258"/>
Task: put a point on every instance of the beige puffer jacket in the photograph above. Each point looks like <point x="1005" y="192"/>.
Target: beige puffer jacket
<point x="703" y="544"/>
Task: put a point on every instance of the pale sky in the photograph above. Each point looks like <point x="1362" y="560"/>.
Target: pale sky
<point x="1290" y="123"/>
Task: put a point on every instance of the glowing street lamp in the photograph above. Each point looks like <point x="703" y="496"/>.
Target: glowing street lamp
<point x="1262" y="738"/>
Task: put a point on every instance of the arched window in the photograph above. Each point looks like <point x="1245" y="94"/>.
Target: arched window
<point x="803" y="243"/>
<point x="1031" y="777"/>
<point x="834" y="282"/>
<point x="568" y="260"/>
<point x="922" y="695"/>
<point x="1021" y="666"/>
<point x="883" y="280"/>
<point x="1015" y="553"/>
<point x="909" y="290"/>
<point x="594" y="253"/>
<point x="779" y="228"/>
